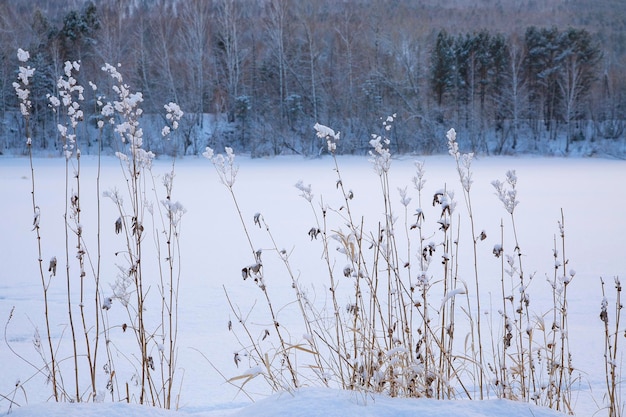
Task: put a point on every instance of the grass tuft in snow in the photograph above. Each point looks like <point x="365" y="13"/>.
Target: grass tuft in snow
<point x="85" y="362"/>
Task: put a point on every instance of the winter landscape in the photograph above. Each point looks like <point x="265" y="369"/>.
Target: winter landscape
<point x="213" y="252"/>
<point x="431" y="224"/>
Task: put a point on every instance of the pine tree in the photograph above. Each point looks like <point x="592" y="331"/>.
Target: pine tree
<point x="442" y="66"/>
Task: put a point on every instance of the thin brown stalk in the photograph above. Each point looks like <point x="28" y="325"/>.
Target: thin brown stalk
<point x="44" y="284"/>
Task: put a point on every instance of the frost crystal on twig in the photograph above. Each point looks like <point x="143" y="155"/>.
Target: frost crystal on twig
<point x="174" y="210"/>
<point x="224" y="165"/>
<point x="463" y="161"/>
<point x="418" y="179"/>
<point x="404" y="198"/>
<point x="507" y="194"/>
<point x="306" y="191"/>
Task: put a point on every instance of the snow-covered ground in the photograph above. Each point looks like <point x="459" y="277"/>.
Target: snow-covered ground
<point x="590" y="192"/>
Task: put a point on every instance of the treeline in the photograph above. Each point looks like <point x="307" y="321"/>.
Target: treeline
<point x="257" y="75"/>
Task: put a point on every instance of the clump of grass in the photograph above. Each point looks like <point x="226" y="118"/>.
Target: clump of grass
<point x="89" y="308"/>
<point x="368" y="345"/>
<point x="397" y="300"/>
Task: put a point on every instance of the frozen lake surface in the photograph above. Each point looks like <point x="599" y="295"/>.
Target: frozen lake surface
<point x="590" y="193"/>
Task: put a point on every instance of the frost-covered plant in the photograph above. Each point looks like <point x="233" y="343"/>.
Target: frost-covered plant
<point x="69" y="98"/>
<point x="227" y="169"/>
<point x="392" y="306"/>
<point x="539" y="368"/>
<point x="380" y="155"/>
<point x="517" y="330"/>
<point x="173" y="116"/>
<point x="25" y="73"/>
<point x="156" y="341"/>
<point x="463" y="161"/>
<point x="123" y="114"/>
<point x="157" y="346"/>
<point x="612" y="351"/>
<point x="463" y="167"/>
<point x="224" y="165"/>
<point x="328" y="134"/>
<point x="559" y="365"/>
<point x="48" y="355"/>
<point x="506" y="191"/>
<point x="127" y="108"/>
<point x="385" y="338"/>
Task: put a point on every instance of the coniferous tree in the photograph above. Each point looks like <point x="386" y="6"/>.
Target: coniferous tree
<point x="542" y="68"/>
<point x="578" y="59"/>
<point x="78" y="35"/>
<point x="443" y="66"/>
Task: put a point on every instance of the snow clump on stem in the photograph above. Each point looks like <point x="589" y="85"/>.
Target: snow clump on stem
<point x="380" y="156"/>
<point x="325" y="132"/>
<point x="21" y="88"/>
<point x="174" y="114"/>
<point x="127" y="106"/>
<point x="70" y="96"/>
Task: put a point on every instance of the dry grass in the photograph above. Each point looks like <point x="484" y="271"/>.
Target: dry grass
<point x="95" y="366"/>
<point x="385" y="328"/>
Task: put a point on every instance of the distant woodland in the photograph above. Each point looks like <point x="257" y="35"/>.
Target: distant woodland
<point x="545" y="76"/>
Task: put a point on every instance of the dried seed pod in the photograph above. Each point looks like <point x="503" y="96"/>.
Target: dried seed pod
<point x="605" y="317"/>
<point x="347" y="271"/>
<point x="314" y="232"/>
<point x="437" y="198"/>
<point x="118" y="226"/>
<point x="52" y="267"/>
<point x="257" y="219"/>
